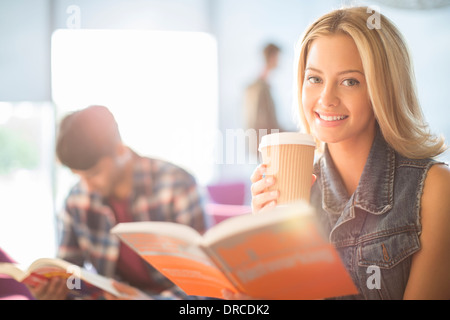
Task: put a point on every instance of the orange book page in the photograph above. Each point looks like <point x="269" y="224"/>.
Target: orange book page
<point x="42" y="275"/>
<point x="182" y="262"/>
<point x="286" y="261"/>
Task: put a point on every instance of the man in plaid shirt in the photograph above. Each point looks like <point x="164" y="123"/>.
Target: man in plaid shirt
<point x="117" y="185"/>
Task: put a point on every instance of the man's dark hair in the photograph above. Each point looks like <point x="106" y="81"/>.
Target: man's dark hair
<point x="85" y="136"/>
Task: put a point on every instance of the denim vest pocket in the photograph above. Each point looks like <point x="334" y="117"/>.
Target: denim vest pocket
<point x="386" y="249"/>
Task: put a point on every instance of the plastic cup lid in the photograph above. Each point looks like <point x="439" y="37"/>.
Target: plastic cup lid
<point x="286" y="138"/>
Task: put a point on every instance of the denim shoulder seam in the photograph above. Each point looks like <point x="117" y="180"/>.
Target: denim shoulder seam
<point x="418" y="205"/>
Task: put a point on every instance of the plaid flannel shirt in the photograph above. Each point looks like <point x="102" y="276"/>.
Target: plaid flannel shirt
<point x="161" y="192"/>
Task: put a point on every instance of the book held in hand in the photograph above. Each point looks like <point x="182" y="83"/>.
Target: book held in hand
<point x="280" y="253"/>
<point x="82" y="283"/>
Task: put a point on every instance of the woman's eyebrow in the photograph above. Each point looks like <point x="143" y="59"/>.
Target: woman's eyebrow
<point x="313" y="69"/>
<point x="339" y="73"/>
<point x="350" y="71"/>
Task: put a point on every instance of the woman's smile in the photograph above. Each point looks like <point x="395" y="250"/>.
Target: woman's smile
<point x="329" y="119"/>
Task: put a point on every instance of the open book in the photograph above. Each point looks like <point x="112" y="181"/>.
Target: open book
<point x="277" y="254"/>
<point x="83" y="284"/>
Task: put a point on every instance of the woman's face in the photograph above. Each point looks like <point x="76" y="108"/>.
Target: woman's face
<point x="335" y="98"/>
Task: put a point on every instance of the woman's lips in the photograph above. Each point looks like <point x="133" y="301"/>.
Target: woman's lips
<point x="330" y="120"/>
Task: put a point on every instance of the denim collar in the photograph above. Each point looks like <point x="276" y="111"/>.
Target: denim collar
<point x="374" y="193"/>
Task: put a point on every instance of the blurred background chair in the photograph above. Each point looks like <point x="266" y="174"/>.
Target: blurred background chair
<point x="227" y="193"/>
<point x="226" y="199"/>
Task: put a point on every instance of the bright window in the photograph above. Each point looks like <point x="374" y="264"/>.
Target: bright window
<point x="27" y="224"/>
<point x="161" y="86"/>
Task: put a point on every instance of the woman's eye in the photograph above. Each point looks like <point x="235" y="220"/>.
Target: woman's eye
<point x="313" y="79"/>
<point x="350" y="82"/>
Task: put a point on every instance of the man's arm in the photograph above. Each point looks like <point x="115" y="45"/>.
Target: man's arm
<point x="68" y="248"/>
<point x="187" y="205"/>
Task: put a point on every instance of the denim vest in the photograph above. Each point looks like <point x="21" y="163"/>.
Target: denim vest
<point x="375" y="230"/>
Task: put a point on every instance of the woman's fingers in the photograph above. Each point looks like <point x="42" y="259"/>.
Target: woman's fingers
<point x="261" y="185"/>
<point x="258" y="173"/>
<point x="264" y="199"/>
<point x="261" y="197"/>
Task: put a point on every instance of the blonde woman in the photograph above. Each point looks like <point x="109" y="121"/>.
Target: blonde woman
<point x="378" y="192"/>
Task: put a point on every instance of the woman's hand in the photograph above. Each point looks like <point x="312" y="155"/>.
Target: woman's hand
<point x="261" y="197"/>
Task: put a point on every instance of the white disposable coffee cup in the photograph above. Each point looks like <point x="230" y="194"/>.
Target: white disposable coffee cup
<point x="289" y="157"/>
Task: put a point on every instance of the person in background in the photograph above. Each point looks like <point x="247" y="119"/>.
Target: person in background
<point x="116" y="185"/>
<point x="259" y="107"/>
<point x="380" y="194"/>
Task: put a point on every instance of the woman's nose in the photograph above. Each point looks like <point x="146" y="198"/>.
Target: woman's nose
<point x="329" y="97"/>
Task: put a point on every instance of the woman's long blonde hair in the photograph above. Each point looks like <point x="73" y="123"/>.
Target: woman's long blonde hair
<point x="389" y="75"/>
